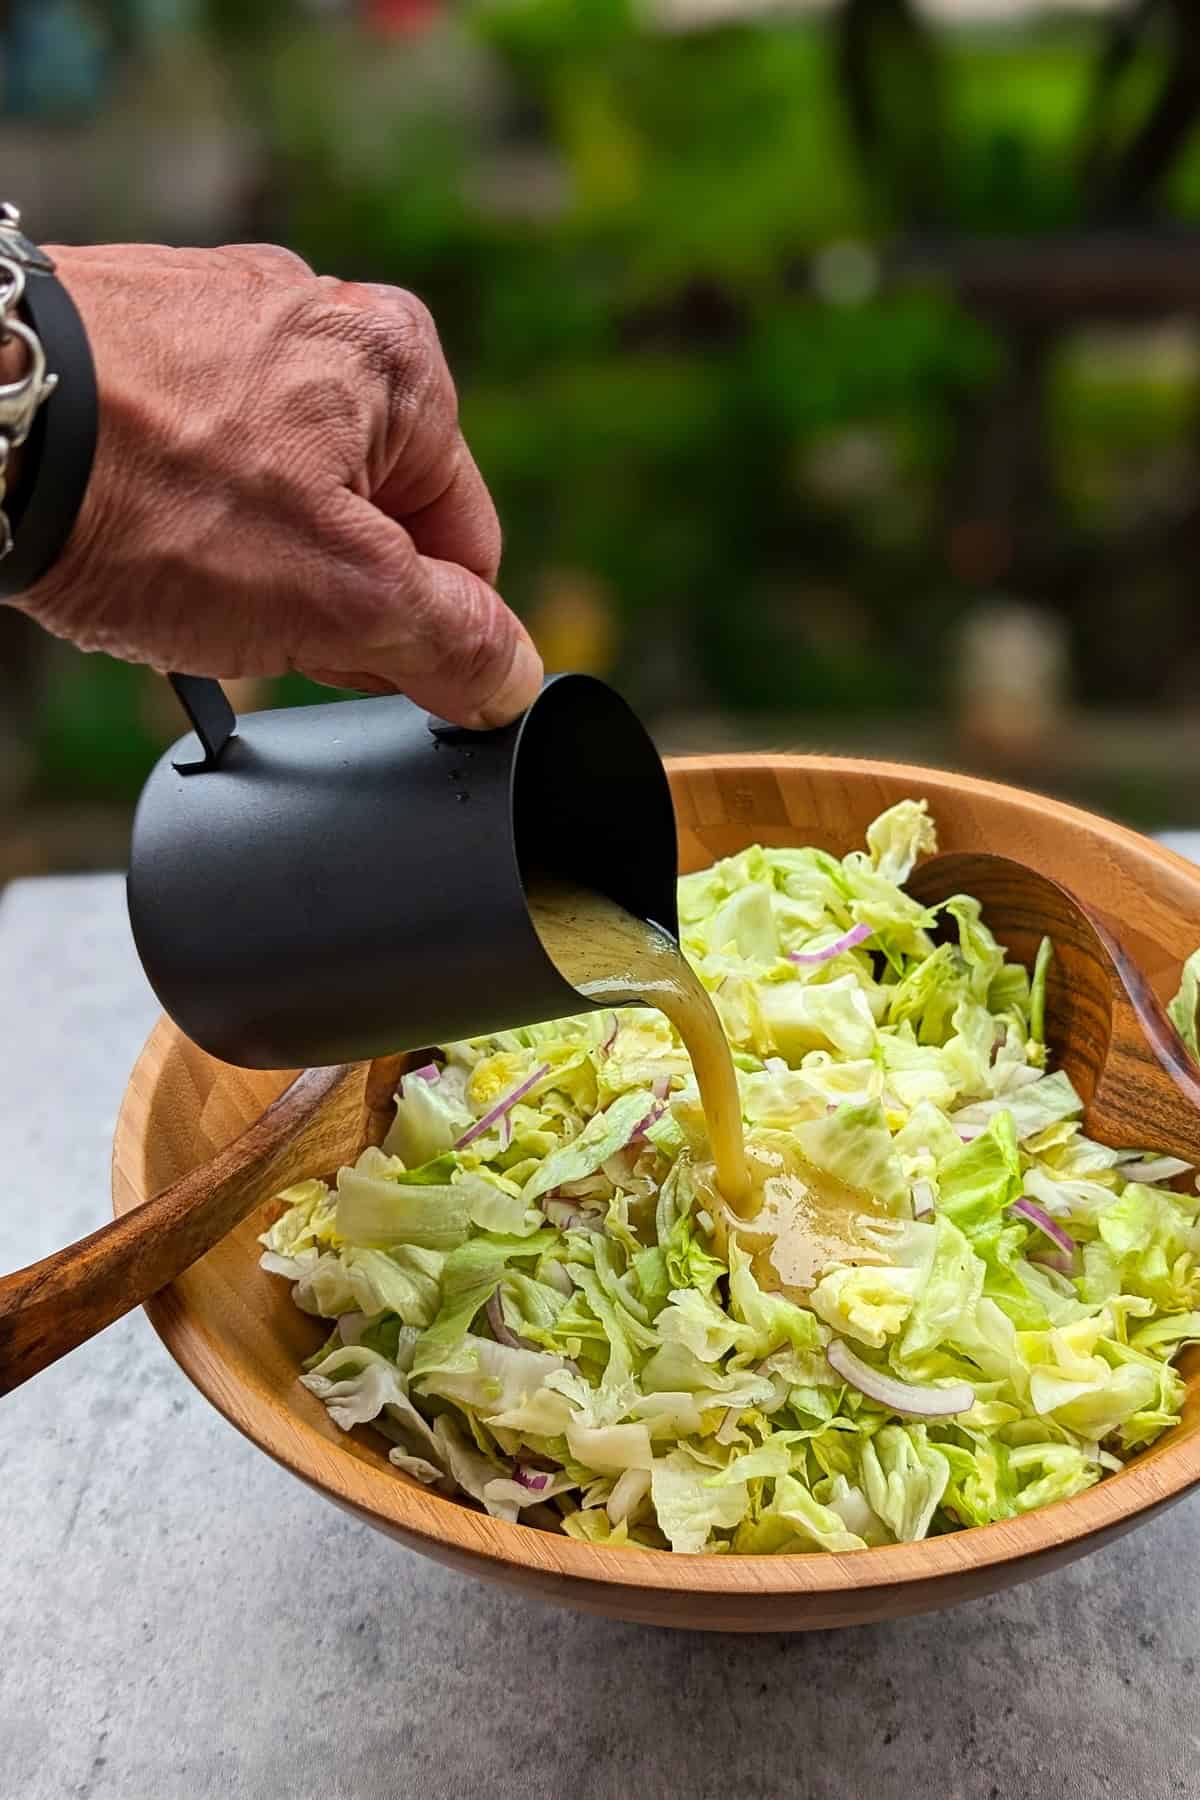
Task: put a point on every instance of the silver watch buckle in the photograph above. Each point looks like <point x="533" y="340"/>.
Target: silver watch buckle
<point x="20" y="399"/>
<point x="17" y="247"/>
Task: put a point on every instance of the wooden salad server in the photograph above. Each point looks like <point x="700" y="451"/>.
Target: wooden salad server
<point x="323" y="1119"/>
<point x="1104" y="1026"/>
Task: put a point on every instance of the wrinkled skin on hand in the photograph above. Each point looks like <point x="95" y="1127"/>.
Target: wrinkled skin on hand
<point x="280" y="483"/>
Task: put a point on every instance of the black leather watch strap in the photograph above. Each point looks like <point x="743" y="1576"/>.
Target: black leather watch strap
<point x="58" y="453"/>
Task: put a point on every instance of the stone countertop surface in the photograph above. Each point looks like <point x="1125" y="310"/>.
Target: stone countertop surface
<point x="182" y="1620"/>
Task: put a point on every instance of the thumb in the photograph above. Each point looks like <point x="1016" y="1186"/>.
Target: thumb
<point x="423" y="627"/>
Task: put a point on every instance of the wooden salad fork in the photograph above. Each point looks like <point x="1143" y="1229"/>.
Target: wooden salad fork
<point x="1104" y="1025"/>
<point x="324" y="1118"/>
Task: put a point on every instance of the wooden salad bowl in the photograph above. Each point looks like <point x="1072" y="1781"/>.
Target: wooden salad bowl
<point x="236" y="1333"/>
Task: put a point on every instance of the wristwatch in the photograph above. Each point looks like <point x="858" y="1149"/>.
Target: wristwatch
<point x="51" y="406"/>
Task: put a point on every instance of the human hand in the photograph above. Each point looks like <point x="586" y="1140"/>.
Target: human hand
<point x="280" y="483"/>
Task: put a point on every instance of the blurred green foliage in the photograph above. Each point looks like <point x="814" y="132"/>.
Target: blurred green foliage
<point x="93" y="740"/>
<point x="645" y="366"/>
<point x="671" y="384"/>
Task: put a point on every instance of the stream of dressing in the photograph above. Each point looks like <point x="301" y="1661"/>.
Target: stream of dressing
<point x="617" y="959"/>
<point x="794" y="1220"/>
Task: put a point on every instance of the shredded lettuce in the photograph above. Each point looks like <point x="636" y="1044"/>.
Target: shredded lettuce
<point x="540" y="1311"/>
<point x="1185" y="1007"/>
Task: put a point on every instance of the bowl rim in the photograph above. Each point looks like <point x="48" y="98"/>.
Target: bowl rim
<point x="385" y="1497"/>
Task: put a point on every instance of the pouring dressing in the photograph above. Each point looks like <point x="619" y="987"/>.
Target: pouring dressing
<point x="794" y="1220"/>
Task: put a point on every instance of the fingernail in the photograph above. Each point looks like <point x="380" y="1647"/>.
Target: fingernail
<point x="519" y="688"/>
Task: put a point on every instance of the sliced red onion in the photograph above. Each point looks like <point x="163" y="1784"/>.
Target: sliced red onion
<point x="1058" y="1260"/>
<point x="427" y="1072"/>
<point x="899" y="1396"/>
<point x="500" y="1331"/>
<point x="533" y="1479"/>
<point x="565" y="1216"/>
<point x="922" y="1198"/>
<point x="968" y="1133"/>
<point x="1028" y="1209"/>
<point x="610" y="1036"/>
<point x="1154" y="1168"/>
<point x="661" y="1086"/>
<point x="651" y="1118"/>
<point x="849" y="940"/>
<point x="503" y="1106"/>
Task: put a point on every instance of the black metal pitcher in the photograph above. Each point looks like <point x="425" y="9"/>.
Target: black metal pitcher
<point x="325" y="884"/>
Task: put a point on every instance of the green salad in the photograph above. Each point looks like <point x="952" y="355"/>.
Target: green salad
<point x="532" y="1303"/>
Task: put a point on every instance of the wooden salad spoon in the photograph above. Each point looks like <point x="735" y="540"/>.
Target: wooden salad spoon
<point x="1104" y="1025"/>
<point x="1105" y="1028"/>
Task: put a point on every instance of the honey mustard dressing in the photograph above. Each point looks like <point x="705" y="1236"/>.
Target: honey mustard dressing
<point x="617" y="959"/>
<point x="793" y="1219"/>
<point x="800" y="1220"/>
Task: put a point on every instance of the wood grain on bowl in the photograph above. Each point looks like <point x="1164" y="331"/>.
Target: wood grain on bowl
<point x="235" y="1331"/>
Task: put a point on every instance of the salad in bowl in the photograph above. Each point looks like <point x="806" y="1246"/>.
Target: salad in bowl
<point x="535" y="1294"/>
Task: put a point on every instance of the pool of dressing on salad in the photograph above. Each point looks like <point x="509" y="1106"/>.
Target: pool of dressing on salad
<point x="794" y="1220"/>
<point x="802" y="1222"/>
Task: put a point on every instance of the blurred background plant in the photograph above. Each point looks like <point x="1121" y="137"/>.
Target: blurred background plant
<point x="834" y="366"/>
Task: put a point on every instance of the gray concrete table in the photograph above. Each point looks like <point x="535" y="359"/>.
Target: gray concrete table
<point x="181" y="1620"/>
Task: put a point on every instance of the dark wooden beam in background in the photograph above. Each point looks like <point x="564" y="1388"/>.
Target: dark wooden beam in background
<point x="1097" y="276"/>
